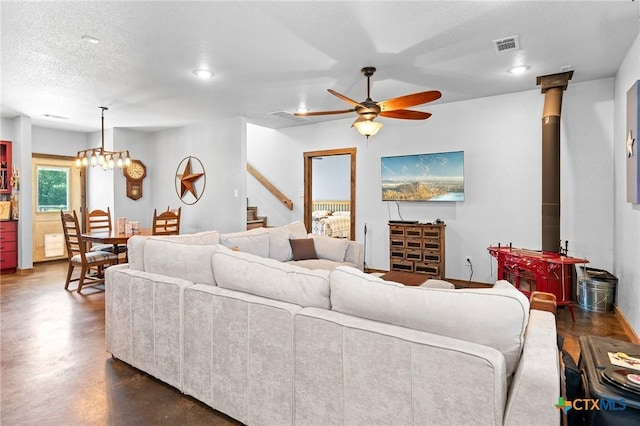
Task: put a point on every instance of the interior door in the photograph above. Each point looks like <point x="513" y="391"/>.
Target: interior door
<point x="57" y="185"/>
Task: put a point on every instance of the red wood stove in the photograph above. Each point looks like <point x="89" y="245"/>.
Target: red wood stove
<point x="530" y="270"/>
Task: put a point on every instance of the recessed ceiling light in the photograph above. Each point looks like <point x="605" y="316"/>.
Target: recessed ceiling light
<point x="518" y="69"/>
<point x="90" y="39"/>
<point x="203" y="73"/>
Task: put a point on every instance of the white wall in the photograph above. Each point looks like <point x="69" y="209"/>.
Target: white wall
<point x="221" y="147"/>
<point x="140" y="147"/>
<point x="501" y="139"/>
<point x="627" y="216"/>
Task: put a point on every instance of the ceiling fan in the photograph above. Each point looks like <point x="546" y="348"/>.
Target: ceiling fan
<point x="369" y="109"/>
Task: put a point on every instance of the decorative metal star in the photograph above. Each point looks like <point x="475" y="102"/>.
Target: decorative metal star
<point x="188" y="179"/>
<point x="630" y="141"/>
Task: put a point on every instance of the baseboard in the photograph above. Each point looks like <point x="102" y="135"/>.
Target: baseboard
<point x="25" y="271"/>
<point x="627" y="327"/>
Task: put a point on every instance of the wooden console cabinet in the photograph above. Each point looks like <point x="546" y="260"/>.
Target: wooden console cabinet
<point x="417" y="247"/>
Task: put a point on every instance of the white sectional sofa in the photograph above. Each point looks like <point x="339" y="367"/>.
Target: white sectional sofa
<point x="271" y="343"/>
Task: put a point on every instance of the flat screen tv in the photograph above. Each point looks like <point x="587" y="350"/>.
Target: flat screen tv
<point x="423" y="177"/>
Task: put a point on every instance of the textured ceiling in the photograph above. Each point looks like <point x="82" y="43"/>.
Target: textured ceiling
<point x="274" y="56"/>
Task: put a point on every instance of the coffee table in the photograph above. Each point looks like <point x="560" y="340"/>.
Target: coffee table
<point x="406" y="278"/>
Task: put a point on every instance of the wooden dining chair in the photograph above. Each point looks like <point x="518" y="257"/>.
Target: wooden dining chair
<point x="91" y="263"/>
<point x="100" y="220"/>
<point x="166" y="223"/>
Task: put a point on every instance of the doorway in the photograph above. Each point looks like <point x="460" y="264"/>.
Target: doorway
<point x="310" y="158"/>
<point x="57" y="184"/>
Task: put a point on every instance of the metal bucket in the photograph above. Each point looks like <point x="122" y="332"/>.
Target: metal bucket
<point x="596" y="291"/>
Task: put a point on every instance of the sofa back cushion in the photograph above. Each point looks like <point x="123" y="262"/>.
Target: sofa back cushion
<point x="254" y="241"/>
<point x="270" y="278"/>
<point x="494" y="317"/>
<point x="191" y="262"/>
<point x="135" y="244"/>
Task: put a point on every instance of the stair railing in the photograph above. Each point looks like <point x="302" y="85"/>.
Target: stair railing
<point x="270" y="187"/>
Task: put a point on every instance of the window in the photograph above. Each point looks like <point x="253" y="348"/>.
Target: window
<point x="53" y="188"/>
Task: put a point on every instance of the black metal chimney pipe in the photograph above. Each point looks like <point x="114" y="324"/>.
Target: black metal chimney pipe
<point x="552" y="86"/>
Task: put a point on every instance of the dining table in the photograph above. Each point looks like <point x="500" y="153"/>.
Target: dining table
<point x="113" y="237"/>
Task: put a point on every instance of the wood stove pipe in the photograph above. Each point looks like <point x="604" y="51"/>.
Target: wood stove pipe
<point x="552" y="86"/>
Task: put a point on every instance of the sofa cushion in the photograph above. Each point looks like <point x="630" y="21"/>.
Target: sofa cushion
<point x="319" y="263"/>
<point x="330" y="248"/>
<point x="204" y="237"/>
<point x="254" y="241"/>
<point x="296" y="230"/>
<point x="269" y="278"/>
<point x="279" y="247"/>
<point x="191" y="262"/>
<point x="303" y="249"/>
<point x="495" y="317"/>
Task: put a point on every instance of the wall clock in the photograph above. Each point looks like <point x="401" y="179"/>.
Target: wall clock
<point x="190" y="180"/>
<point x="134" y="173"/>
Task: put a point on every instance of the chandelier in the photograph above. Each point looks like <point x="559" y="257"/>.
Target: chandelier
<point x="108" y="160"/>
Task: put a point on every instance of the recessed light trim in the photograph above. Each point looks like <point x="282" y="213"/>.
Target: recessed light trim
<point x="203" y="74"/>
<point x="518" y="69"/>
<point x="90" y="39"/>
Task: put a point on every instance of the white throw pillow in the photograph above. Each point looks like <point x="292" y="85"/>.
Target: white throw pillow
<point x="330" y="248"/>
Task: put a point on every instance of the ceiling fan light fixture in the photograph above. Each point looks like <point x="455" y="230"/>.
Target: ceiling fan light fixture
<point x="368" y="127"/>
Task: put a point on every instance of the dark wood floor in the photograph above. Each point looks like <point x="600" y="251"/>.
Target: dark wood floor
<point x="55" y="370"/>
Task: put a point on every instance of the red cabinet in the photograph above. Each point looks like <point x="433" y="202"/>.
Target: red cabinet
<point x="8" y="246"/>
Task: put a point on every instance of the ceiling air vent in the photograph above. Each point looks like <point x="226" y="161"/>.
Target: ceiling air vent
<point x="289" y="116"/>
<point x="507" y="44"/>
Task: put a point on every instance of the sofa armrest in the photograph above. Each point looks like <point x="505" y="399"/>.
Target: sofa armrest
<point x="535" y="387"/>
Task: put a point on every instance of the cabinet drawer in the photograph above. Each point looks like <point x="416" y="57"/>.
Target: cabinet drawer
<point x="8" y="259"/>
<point x="431" y="233"/>
<point x="431" y="245"/>
<point x="8" y="231"/>
<point x="415" y="255"/>
<point x="413" y="231"/>
<point x="402" y="265"/>
<point x="396" y="243"/>
<point x="396" y="253"/>
<point x="7" y="246"/>
<point x="431" y="257"/>
<point x="413" y="243"/>
<point x="427" y="268"/>
<point x="396" y="231"/>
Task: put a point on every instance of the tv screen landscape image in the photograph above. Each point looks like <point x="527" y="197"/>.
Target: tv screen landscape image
<point x="423" y="177"/>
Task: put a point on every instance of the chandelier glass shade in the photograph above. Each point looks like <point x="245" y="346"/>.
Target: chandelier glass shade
<point x="368" y="127"/>
<point x="99" y="156"/>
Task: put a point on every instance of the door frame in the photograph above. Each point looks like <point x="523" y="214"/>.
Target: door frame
<point x="83" y="187"/>
<point x="308" y="184"/>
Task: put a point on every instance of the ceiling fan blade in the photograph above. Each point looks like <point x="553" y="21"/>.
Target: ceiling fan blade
<point x="406" y="114"/>
<point x="311" y="113"/>
<point x="344" y="98"/>
<point x="409" y="100"/>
